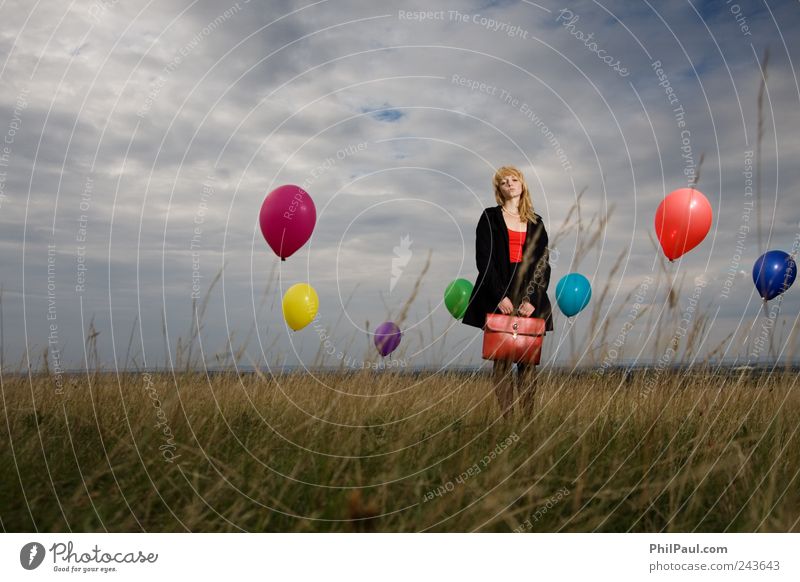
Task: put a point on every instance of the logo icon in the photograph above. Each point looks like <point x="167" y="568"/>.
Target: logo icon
<point x="31" y="555"/>
<point x="402" y="254"/>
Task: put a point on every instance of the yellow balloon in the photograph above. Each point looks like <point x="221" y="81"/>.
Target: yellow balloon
<point x="300" y="304"/>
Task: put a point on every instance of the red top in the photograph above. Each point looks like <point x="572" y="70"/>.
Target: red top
<point x="515" y="240"/>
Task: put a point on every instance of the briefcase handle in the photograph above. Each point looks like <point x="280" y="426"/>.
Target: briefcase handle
<point x="516" y="311"/>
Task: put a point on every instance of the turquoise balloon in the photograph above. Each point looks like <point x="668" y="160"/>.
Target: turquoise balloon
<point x="573" y="293"/>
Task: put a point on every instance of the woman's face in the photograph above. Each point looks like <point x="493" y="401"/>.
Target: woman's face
<point x="510" y="186"/>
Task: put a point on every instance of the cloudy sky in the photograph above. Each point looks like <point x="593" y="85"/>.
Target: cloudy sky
<point x="131" y="128"/>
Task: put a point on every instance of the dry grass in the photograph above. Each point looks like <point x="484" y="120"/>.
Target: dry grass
<point x="362" y="451"/>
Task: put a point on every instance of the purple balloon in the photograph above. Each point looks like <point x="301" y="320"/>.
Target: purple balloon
<point x="387" y="338"/>
<point x="287" y="219"/>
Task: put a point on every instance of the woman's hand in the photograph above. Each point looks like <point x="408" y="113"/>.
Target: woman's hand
<point x="526" y="309"/>
<point x="505" y="306"/>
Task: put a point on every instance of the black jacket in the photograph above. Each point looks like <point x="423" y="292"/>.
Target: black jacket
<point x="498" y="277"/>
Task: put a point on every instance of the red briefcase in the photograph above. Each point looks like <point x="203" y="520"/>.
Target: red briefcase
<point x="513" y="338"/>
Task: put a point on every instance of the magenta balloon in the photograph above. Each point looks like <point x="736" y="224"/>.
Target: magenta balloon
<point x="387" y="338"/>
<point x="287" y="219"/>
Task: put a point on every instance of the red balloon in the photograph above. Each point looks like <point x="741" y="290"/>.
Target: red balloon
<point x="287" y="219"/>
<point x="683" y="220"/>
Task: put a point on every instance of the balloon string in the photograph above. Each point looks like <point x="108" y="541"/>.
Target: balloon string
<point x="775" y="324"/>
<point x="571" y="334"/>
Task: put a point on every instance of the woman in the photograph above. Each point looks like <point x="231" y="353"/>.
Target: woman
<point x="513" y="274"/>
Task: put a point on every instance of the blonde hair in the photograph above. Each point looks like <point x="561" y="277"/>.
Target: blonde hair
<point x="525" y="207"/>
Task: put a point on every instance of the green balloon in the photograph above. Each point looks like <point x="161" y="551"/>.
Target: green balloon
<point x="456" y="297"/>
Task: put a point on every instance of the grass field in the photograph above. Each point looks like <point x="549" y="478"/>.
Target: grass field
<point x="392" y="452"/>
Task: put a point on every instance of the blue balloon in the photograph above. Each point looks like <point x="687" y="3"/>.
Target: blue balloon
<point x="573" y="293"/>
<point x="774" y="273"/>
